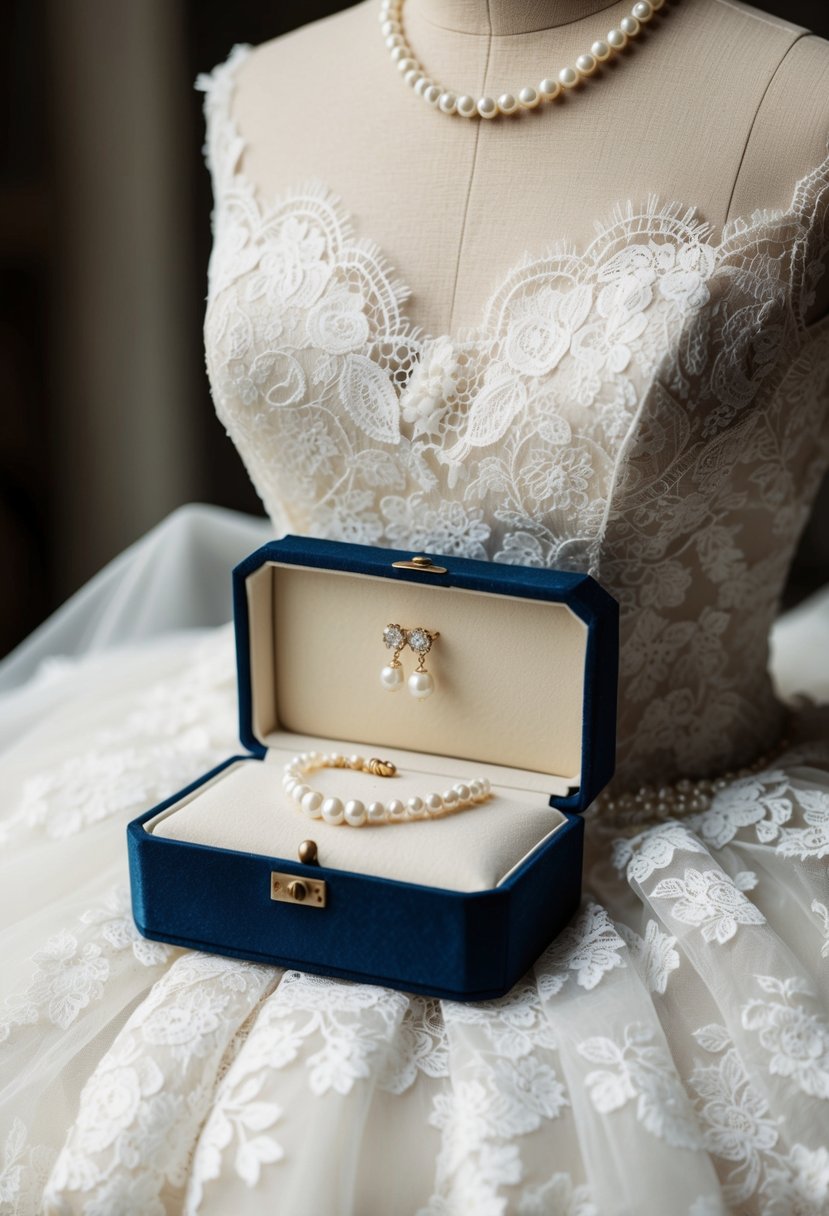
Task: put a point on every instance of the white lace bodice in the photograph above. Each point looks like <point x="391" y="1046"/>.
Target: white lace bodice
<point x="650" y="409"/>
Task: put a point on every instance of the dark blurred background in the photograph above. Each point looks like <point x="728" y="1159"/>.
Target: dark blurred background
<point x="107" y="423"/>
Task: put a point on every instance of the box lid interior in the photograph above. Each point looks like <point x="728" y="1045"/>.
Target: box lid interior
<point x="516" y="665"/>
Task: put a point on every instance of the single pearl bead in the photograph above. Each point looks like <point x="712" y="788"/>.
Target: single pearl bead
<point x="421" y="684"/>
<point x="450" y="799"/>
<point x="466" y="106"/>
<point x="463" y="791"/>
<point x="390" y="27"/>
<point x="332" y="810"/>
<point x="400" y="52"/>
<point x="415" y="807"/>
<point x="507" y="104"/>
<point x="601" y="50"/>
<point x="617" y="39"/>
<point x="356" y="762"/>
<point x="431" y="94"/>
<point x="486" y="785"/>
<point x="568" y="78"/>
<point x="354" y="813"/>
<point x="422" y="84"/>
<point x="475" y="789"/>
<point x="289" y="786"/>
<point x="376" y="812"/>
<point x="487" y="107"/>
<point x="412" y="76"/>
<point x="299" y="792"/>
<point x="448" y="103"/>
<point x="528" y="97"/>
<point x="643" y="11"/>
<point x="406" y="65"/>
<point x="391" y="678"/>
<point x="396" y="809"/>
<point x="312" y="804"/>
<point x="587" y="64"/>
<point x="394" y="39"/>
<point x="629" y="26"/>
<point x="434" y="804"/>
<point x="549" y="88"/>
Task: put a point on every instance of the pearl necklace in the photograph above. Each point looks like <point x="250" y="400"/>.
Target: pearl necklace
<point x="356" y="813"/>
<point x="528" y="98"/>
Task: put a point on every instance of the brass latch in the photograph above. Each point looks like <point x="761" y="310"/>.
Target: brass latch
<point x="290" y="889"/>
<point x="424" y="564"/>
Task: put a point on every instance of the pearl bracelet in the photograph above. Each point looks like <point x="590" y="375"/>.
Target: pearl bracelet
<point x="356" y="813"/>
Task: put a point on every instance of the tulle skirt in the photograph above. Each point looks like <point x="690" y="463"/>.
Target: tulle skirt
<point x="668" y="1054"/>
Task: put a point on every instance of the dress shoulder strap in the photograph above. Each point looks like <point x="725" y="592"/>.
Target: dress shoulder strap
<point x="223" y="145"/>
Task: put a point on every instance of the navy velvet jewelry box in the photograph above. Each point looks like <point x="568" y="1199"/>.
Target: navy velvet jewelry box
<point x="456" y="906"/>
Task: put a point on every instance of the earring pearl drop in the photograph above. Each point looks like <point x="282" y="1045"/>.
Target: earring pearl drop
<point x="421" y="685"/>
<point x="391" y="678"/>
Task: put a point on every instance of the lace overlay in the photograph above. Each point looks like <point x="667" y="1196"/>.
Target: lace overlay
<point x="650" y="409"/>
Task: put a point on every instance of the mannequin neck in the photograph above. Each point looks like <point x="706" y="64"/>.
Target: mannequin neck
<point x="500" y="17"/>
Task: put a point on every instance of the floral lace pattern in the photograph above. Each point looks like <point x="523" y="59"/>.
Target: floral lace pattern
<point x="650" y="409"/>
<point x="640" y="410"/>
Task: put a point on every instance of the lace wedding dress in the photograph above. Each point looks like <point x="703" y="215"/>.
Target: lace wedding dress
<point x="652" y="409"/>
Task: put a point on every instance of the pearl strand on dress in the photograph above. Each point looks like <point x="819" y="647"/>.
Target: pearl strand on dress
<point x="355" y="813"/>
<point x="528" y="97"/>
<point x="684" y="797"/>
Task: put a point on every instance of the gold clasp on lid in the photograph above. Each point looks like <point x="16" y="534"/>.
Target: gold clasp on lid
<point x="290" y="889"/>
<point x="424" y="564"/>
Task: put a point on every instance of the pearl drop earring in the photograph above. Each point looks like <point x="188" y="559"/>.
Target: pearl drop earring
<point x="395" y="638"/>
<point x="421" y="684"/>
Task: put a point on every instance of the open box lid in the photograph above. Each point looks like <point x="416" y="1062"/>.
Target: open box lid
<point x="526" y="663"/>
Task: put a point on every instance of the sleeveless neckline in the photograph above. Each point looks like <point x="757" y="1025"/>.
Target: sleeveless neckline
<point x="648" y="409"/>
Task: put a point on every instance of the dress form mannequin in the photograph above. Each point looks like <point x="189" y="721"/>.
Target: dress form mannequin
<point x="716" y="106"/>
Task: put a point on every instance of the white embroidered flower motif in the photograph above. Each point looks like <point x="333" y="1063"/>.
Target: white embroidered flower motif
<point x="558" y="480"/>
<point x="797" y="1041"/>
<point x="556" y="1197"/>
<point x="542" y="328"/>
<point x="67" y="977"/>
<point x="337" y="323"/>
<point x="430" y="387"/>
<point x="762" y="801"/>
<point x="652" y="850"/>
<point x="114" y="915"/>
<point x="654" y="954"/>
<point x="639" y="1070"/>
<point x="801" y="1188"/>
<point x="587" y="950"/>
<point x="811" y="841"/>
<point x="448" y="528"/>
<point x="294" y="265"/>
<point x="111" y="1100"/>
<point x="736" y="1121"/>
<point x="712" y="901"/>
<point x="524" y="1093"/>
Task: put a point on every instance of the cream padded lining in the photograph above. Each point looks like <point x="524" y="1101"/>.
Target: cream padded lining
<point x="509" y="671"/>
<point x="244" y="808"/>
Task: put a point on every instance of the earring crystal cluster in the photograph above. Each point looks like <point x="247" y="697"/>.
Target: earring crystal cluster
<point x="391" y="677"/>
<point x="421" y="683"/>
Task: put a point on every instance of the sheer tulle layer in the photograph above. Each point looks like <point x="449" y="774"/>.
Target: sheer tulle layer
<point x="669" y="1053"/>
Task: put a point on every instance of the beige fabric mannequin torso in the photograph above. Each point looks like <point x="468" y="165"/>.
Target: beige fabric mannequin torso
<point x="718" y="107"/>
